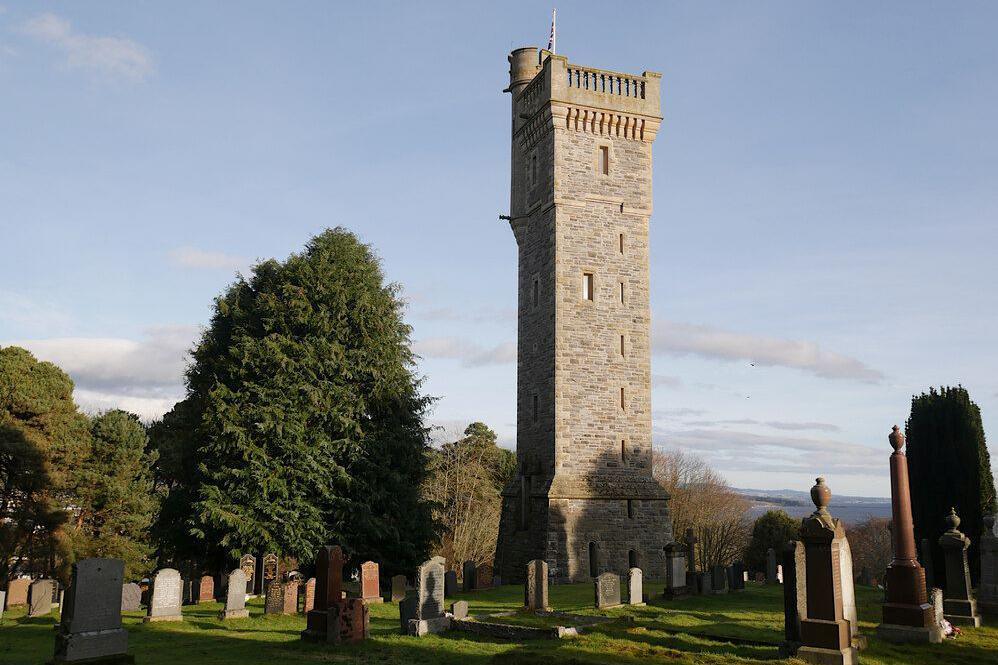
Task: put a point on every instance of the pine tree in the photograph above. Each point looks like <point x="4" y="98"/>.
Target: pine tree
<point x="771" y="530"/>
<point x="114" y="504"/>
<point x="308" y="414"/>
<point x="949" y="466"/>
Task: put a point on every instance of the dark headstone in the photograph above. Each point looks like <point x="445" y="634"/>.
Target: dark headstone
<point x="468" y="576"/>
<point x="483" y="576"/>
<point x="675" y="571"/>
<point x="274" y="598"/>
<point x="408" y="611"/>
<point x="926" y="561"/>
<point x="90" y="624"/>
<point x="450" y="583"/>
<point x="793" y="595"/>
<point x="718" y="579"/>
<point x="691" y="550"/>
<point x="398" y="588"/>
<point x="738" y="576"/>
<point x="959" y="605"/>
<point x="536" y="587"/>
<point x="40" y="597"/>
<point x="235" y="596"/>
<point x="772" y="575"/>
<point x="607" y="590"/>
<point x="131" y="597"/>
<point x="987" y="590"/>
<point x="164" y="596"/>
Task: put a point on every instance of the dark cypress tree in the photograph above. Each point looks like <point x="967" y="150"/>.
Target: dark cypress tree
<point x="949" y="465"/>
<point x="309" y="415"/>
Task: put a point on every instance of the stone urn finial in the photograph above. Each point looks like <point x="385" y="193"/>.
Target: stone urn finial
<point x="952" y="520"/>
<point x="821" y="496"/>
<point x="896" y="438"/>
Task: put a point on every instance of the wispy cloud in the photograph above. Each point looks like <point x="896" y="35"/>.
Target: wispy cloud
<point x="686" y="339"/>
<point x="469" y="353"/>
<point x="740" y="451"/>
<point x="143" y="375"/>
<point x="27" y="313"/>
<point x="117" y="57"/>
<point x="192" y="257"/>
<point x="775" y="424"/>
<point x="663" y="381"/>
<point x="479" y="315"/>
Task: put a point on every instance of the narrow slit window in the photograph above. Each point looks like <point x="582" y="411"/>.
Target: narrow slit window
<point x="604" y="160"/>
<point x="622" y="346"/>
<point x="588" y="284"/>
<point x="621" y="245"/>
<point x="593" y="560"/>
<point x="622" y="403"/>
<point x="623" y="449"/>
<point x="621" y="293"/>
<point x="536" y="405"/>
<point x="630" y="515"/>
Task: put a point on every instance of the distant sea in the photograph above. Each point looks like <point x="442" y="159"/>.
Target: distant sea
<point x="849" y="509"/>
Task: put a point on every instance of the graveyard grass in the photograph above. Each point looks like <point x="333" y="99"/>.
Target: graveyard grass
<point x="679" y="632"/>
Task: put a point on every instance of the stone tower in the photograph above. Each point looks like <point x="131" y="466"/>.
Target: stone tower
<point x="581" y="196"/>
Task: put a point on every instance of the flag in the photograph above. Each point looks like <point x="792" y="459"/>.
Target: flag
<point x="553" y="39"/>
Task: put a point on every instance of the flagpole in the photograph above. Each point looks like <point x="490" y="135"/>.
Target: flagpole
<point x="554" y="31"/>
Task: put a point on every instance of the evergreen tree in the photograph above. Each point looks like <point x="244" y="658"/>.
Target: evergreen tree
<point x="43" y="438"/>
<point x="949" y="466"/>
<point x="771" y="530"/>
<point x="114" y="504"/>
<point x="308" y="414"/>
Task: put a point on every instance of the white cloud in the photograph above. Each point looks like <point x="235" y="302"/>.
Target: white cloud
<point x="687" y="339"/>
<point x="117" y="57"/>
<point x="144" y="376"/>
<point x="192" y="257"/>
<point x="469" y="353"/>
<point x="775" y="424"/>
<point x="663" y="381"/>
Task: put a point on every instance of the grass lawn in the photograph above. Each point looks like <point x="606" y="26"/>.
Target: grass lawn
<point x="662" y="632"/>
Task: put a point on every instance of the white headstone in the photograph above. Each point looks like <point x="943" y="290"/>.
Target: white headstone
<point x="165" y="596"/>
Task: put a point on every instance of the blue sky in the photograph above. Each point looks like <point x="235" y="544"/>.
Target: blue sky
<point x="825" y="199"/>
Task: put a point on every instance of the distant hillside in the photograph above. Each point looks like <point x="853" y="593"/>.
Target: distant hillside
<point x="849" y="509"/>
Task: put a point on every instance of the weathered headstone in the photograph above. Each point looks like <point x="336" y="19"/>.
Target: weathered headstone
<point x="987" y="590"/>
<point x="309" y="595"/>
<point x="459" y="609"/>
<point x="675" y="571"/>
<point x="635" y="587"/>
<point x="794" y="596"/>
<point x="450" y="583"/>
<point x="235" y="596"/>
<point x="738" y="576"/>
<point x="468" y="576"/>
<point x="704" y="585"/>
<point x="535" y="590"/>
<point x="718" y="579"/>
<point x="289" y="597"/>
<point x="355" y="620"/>
<point x="408" y="611"/>
<point x="430" y="616"/>
<point x="164" y="598"/>
<point x="206" y="589"/>
<point x="771" y="573"/>
<point x="40" y="597"/>
<point x="247" y="563"/>
<point x="398" y="588"/>
<point x="370" y="582"/>
<point x="273" y="602"/>
<point x="607" y="590"/>
<point x="189" y="592"/>
<point x="17" y="592"/>
<point x="89" y="628"/>
<point x="322" y="622"/>
<point x="271" y="570"/>
<point x="959" y="605"/>
<point x="825" y="632"/>
<point x="131" y="597"/>
<point x="483" y="576"/>
<point x="848" y="591"/>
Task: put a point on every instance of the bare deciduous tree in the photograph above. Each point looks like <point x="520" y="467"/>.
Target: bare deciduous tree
<point x="870" y="542"/>
<point x="703" y="501"/>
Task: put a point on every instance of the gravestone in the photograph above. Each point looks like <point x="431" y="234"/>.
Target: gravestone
<point x="370" y="583"/>
<point x="89" y="628"/>
<point x="760" y="578"/>
<point x="206" y="589"/>
<point x="271" y="571"/>
<point x="322" y="623"/>
<point x="3" y="602"/>
<point x="468" y="576"/>
<point x="164" y="597"/>
<point x="40" y="597"/>
<point x="691" y="565"/>
<point x="926" y="561"/>
<point x="189" y="593"/>
<point x="430" y="616"/>
<point x="309" y="595"/>
<point x="771" y="573"/>
<point x="17" y="592"/>
<point x="937" y="602"/>
<point x="354" y="621"/>
<point x="987" y="590"/>
<point x="289" y="597"/>
<point x="635" y="587"/>
<point x="738" y="576"/>
<point x="450" y="583"/>
<point x="825" y="632"/>
<point x="459" y="610"/>
<point x="273" y="602"/>
<point x="408" y="611"/>
<point x="675" y="571"/>
<point x="848" y="595"/>
<point x="483" y="576"/>
<point x="247" y="564"/>
<point x="959" y="605"/>
<point x="398" y="588"/>
<point x="131" y="597"/>
<point x="235" y="596"/>
<point x="535" y="590"/>
<point x="718" y="579"/>
<point x="607" y="590"/>
<point x="794" y="596"/>
<point x="706" y="583"/>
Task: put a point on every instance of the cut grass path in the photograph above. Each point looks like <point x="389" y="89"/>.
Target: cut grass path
<point x="662" y="632"/>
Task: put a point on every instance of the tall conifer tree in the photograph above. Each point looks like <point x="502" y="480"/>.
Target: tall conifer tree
<point x="949" y="465"/>
<point x="309" y="416"/>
